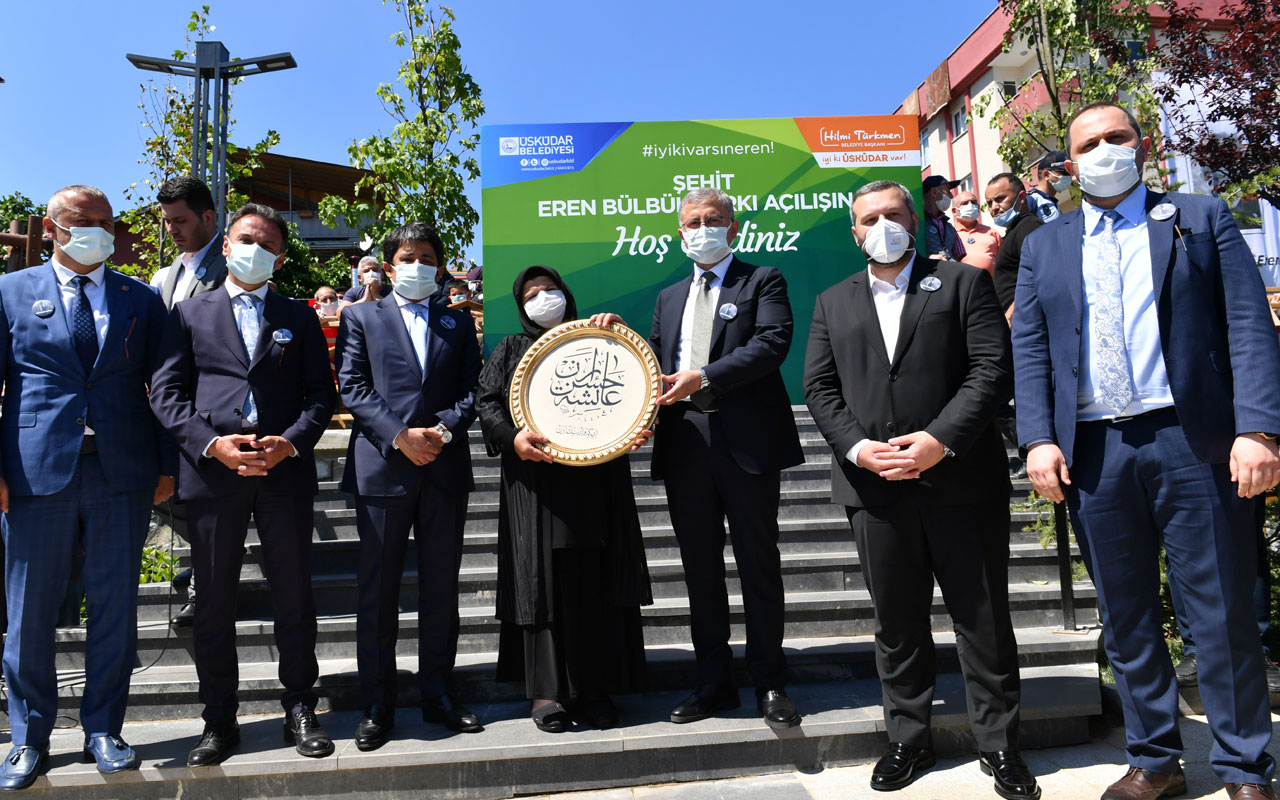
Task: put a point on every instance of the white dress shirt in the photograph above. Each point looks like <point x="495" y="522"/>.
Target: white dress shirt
<point x="95" y="290"/>
<point x="187" y="270"/>
<point x="417" y="323"/>
<point x="684" y="351"/>
<point x="888" y="299"/>
<point x="1148" y="377"/>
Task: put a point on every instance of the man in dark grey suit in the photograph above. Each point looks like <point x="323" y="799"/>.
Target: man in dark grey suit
<point x="190" y="220"/>
<point x="906" y="367"/>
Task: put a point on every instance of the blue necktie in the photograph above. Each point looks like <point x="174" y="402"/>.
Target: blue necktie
<point x="1108" y="322"/>
<point x="247" y="321"/>
<point x="83" y="332"/>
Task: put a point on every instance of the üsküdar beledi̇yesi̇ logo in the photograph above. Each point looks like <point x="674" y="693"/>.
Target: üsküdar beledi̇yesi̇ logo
<point x="509" y="145"/>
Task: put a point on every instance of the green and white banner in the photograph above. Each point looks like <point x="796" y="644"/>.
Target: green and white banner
<point x="597" y="202"/>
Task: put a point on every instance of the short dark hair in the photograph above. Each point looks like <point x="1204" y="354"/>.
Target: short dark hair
<point x="1133" y="121"/>
<point x="459" y="283"/>
<point x="188" y="189"/>
<point x="266" y="212"/>
<point x="1015" y="182"/>
<point x="413" y="232"/>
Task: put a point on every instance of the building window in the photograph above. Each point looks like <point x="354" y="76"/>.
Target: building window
<point x="1008" y="90"/>
<point x="925" y="150"/>
<point x="959" y="123"/>
<point x="1137" y="49"/>
<point x="965" y="184"/>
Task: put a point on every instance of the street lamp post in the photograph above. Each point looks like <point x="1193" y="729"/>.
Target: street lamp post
<point x="213" y="71"/>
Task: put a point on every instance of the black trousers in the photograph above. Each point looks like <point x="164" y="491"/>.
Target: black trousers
<point x="217" y="529"/>
<point x="704" y="486"/>
<point x="384" y="523"/>
<point x="902" y="548"/>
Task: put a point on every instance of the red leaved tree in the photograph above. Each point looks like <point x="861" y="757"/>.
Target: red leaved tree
<point x="1222" y="92"/>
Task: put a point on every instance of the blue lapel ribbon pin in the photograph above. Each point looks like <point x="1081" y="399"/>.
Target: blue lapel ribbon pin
<point x="448" y="322"/>
<point x="282" y="336"/>
<point x="1163" y="211"/>
<point x="930" y="283"/>
<point x="728" y="311"/>
<point x="42" y="308"/>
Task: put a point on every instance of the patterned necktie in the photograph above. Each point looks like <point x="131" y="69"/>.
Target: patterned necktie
<point x="418" y="333"/>
<point x="250" y="327"/>
<point x="83" y="331"/>
<point x="1108" y="322"/>
<point x="703" y="319"/>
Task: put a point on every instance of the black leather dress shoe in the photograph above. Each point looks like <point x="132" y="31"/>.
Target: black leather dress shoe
<point x="777" y="709"/>
<point x="303" y="731"/>
<point x="705" y="702"/>
<point x="216" y="743"/>
<point x="1186" y="672"/>
<point x="454" y="716"/>
<point x="899" y="766"/>
<point x="375" y="728"/>
<point x="1014" y="780"/>
<point x="185" y="616"/>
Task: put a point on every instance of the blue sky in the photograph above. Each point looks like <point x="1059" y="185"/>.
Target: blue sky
<point x="70" y="98"/>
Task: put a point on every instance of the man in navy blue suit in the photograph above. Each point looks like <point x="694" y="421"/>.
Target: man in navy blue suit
<point x="725" y="434"/>
<point x="81" y="463"/>
<point x="1146" y="371"/>
<point x="408" y="366"/>
<point x="246" y="390"/>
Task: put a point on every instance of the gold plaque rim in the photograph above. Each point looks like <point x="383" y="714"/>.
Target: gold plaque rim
<point x="560" y="335"/>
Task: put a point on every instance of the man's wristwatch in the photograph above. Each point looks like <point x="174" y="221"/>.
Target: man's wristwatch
<point x="947" y="452"/>
<point x="1270" y="437"/>
<point x="706" y="382"/>
<point x="445" y="436"/>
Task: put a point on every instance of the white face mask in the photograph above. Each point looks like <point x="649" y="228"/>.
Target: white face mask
<point x="415" y="281"/>
<point x="371" y="277"/>
<point x="546" y="308"/>
<point x="88" y="246"/>
<point x="706" y="245"/>
<point x="968" y="211"/>
<point x="886" y="242"/>
<point x="1061" y="184"/>
<point x="329" y="309"/>
<point x="943" y="202"/>
<point x="251" y="264"/>
<point x="1108" y="170"/>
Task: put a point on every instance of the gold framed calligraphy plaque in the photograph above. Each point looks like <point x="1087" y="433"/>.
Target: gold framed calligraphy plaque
<point x="589" y="390"/>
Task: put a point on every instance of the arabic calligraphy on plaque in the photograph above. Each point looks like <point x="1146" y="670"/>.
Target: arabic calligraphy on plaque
<point x="588" y="381"/>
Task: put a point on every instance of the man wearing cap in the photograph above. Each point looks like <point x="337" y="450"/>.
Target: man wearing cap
<point x="1042" y="198"/>
<point x="981" y="241"/>
<point x="942" y="241"/>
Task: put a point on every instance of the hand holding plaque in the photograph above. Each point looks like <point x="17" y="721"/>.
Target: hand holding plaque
<point x="591" y="391"/>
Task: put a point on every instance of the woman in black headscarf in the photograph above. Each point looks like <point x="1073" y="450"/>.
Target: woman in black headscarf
<point x="571" y="568"/>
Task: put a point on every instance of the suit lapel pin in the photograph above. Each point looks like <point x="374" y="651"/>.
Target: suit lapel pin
<point x="930" y="283"/>
<point x="282" y="336"/>
<point x="1163" y="211"/>
<point x="448" y="322"/>
<point x="42" y="308"/>
<point x="728" y="311"/>
<point x="124" y="287"/>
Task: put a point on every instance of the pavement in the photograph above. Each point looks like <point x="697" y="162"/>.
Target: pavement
<point x="1080" y="772"/>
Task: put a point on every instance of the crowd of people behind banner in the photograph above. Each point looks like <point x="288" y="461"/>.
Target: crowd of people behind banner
<point x="218" y="388"/>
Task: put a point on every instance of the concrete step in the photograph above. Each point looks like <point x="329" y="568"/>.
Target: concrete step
<point x="171" y="691"/>
<point x="807" y="614"/>
<point x="336" y="592"/>
<point x="843" y="724"/>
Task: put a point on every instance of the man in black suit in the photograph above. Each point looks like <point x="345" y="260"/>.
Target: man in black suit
<point x="245" y="389"/>
<point x="725" y="433"/>
<point x="906" y="366"/>
<point x="186" y="205"/>
<point x="408" y="367"/>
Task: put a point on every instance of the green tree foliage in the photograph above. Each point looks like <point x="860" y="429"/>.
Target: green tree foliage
<point x="420" y="169"/>
<point x="167" y="115"/>
<point x="1083" y="56"/>
<point x="16" y="206"/>
<point x="301" y="275"/>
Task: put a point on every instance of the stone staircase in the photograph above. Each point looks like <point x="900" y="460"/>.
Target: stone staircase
<point x="829" y="645"/>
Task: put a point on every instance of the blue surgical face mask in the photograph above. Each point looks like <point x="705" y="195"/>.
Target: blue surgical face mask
<point x="250" y="263"/>
<point x="88" y="246"/>
<point x="1003" y="219"/>
<point x="415" y="281"/>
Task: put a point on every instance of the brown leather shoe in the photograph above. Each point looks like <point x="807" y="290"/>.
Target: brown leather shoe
<point x="1250" y="791"/>
<point x="1143" y="784"/>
